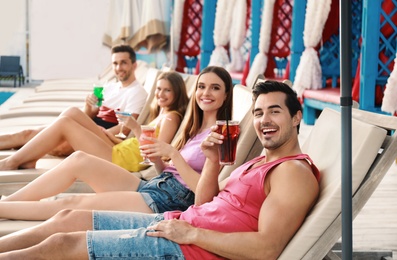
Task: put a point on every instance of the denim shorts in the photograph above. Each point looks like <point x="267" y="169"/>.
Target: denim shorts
<point x="165" y="193"/>
<point x="123" y="235"/>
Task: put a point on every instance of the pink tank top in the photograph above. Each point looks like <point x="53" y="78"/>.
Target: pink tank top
<point x="237" y="207"/>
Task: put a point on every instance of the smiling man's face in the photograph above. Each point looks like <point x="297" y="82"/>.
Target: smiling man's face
<point x="122" y="66"/>
<point x="272" y="120"/>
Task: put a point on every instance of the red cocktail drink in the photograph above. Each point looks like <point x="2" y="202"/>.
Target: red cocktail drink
<point x="227" y="150"/>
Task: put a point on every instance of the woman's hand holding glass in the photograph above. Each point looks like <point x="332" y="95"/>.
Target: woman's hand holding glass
<point x="210" y="144"/>
<point x="156" y="149"/>
<point x="121" y="117"/>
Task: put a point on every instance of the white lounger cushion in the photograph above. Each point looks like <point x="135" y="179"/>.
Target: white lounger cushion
<point x="75" y="97"/>
<point x="65" y="86"/>
<point x="26" y="121"/>
<point x="324" y="147"/>
<point x="33" y="112"/>
<point x="47" y="104"/>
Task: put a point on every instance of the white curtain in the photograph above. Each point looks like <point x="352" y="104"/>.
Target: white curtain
<point x="223" y="19"/>
<point x="230" y="19"/>
<point x="260" y="61"/>
<point x="389" y="102"/>
<point x="308" y="73"/>
<point x="237" y="36"/>
<point x="176" y="28"/>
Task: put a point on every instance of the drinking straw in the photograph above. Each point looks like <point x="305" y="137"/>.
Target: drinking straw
<point x="228" y="136"/>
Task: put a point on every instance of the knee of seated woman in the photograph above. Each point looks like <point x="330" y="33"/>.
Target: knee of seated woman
<point x="71" y="111"/>
<point x="79" y="156"/>
<point x="63" y="214"/>
<point x="69" y="214"/>
<point x="66" y="121"/>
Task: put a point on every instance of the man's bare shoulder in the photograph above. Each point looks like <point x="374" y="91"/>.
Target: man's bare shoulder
<point x="294" y="175"/>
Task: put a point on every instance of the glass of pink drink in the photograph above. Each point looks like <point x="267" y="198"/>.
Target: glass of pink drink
<point x="148" y="131"/>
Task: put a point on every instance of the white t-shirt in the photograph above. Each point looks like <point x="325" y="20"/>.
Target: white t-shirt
<point x="129" y="99"/>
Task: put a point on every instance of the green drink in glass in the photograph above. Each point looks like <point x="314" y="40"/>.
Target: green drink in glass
<point x="98" y="92"/>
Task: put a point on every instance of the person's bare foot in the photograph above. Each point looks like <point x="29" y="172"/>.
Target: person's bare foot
<point x="28" y="165"/>
<point x="5" y="165"/>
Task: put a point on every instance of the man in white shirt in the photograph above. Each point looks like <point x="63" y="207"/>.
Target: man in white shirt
<point x="126" y="95"/>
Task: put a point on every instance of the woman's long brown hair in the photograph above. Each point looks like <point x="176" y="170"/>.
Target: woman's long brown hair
<point x="192" y="126"/>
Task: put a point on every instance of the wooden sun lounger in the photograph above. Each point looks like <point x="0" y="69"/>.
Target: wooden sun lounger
<point x="373" y="152"/>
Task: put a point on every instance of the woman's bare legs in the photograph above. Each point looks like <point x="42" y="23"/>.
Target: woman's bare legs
<point x="62" y="150"/>
<point x="17" y="140"/>
<point x="79" y="131"/>
<point x="43" y="210"/>
<point x="73" y="244"/>
<point x="102" y="176"/>
<point x="99" y="174"/>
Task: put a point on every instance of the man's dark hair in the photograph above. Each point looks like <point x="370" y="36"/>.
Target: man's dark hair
<point x="291" y="101"/>
<point x="125" y="48"/>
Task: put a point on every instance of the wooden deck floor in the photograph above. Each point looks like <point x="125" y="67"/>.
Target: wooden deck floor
<point x="375" y="228"/>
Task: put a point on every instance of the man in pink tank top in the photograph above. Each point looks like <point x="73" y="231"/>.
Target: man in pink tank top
<point x="250" y="215"/>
